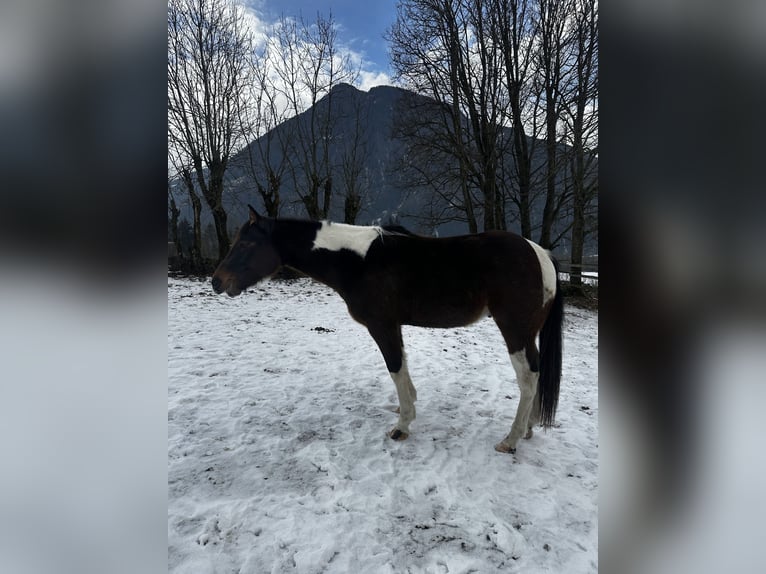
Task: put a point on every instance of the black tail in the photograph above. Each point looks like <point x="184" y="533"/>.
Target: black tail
<point x="550" y="356"/>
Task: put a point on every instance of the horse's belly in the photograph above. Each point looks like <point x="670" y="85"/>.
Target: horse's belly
<point x="446" y="316"/>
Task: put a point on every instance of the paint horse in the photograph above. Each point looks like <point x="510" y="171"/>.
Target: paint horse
<point x="390" y="277"/>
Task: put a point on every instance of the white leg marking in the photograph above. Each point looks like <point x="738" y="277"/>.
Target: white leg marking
<point x="337" y="236"/>
<point x="548" y="271"/>
<point x="407" y="397"/>
<point x="534" y="416"/>
<point x="527" y="380"/>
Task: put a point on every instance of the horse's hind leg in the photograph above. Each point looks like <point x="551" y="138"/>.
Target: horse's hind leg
<point x="523" y="363"/>
<point x="534" y="415"/>
<point x="389" y="340"/>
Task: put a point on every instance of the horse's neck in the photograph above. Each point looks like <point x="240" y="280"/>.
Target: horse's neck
<point x="314" y="248"/>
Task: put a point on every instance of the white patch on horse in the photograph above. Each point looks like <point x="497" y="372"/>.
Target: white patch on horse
<point x="337" y="236"/>
<point x="548" y="271"/>
<point x="407" y="395"/>
<point x="525" y="413"/>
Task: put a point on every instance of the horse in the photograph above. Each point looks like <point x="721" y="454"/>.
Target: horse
<point x="389" y="277"/>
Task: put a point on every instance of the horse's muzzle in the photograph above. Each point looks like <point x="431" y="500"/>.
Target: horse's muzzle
<point x="228" y="285"/>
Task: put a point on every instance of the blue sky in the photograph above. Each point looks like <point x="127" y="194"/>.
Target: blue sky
<point x="361" y="27"/>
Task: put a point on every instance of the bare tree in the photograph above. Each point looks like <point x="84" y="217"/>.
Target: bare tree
<point x="354" y="156"/>
<point x="429" y="163"/>
<point x="441" y="48"/>
<point x="174" y="212"/>
<point x="581" y="119"/>
<point x="311" y="66"/>
<point x="266" y="158"/>
<point x="180" y="170"/>
<point x="432" y="128"/>
<point x="501" y="74"/>
<point x="551" y="53"/>
<point x="513" y="30"/>
<point x="209" y="48"/>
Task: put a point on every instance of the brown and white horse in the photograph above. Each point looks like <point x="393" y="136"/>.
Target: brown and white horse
<point x="389" y="277"/>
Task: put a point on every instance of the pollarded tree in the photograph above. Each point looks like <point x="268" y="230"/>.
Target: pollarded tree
<point x="355" y="153"/>
<point x="442" y="49"/>
<point x="266" y="155"/>
<point x="309" y="66"/>
<point x="513" y="27"/>
<point x="581" y="121"/>
<point x="209" y="51"/>
<point x="553" y="49"/>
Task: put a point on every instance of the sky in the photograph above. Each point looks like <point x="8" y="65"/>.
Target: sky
<point x="361" y="26"/>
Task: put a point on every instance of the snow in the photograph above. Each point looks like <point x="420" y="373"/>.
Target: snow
<point x="278" y="459"/>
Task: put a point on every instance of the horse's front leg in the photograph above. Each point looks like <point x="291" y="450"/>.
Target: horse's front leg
<point x="389" y="340"/>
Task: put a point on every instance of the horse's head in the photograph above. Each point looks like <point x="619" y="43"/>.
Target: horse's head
<point x="251" y="258"/>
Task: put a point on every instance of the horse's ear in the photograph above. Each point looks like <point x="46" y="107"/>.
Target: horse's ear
<point x="254" y="217"/>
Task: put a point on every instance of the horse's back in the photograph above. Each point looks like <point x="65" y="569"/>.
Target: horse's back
<point x="451" y="281"/>
<point x="478" y="256"/>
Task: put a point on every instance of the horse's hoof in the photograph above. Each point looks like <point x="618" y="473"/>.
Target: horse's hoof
<point x="396" y="434"/>
<point x="500" y="447"/>
<point x="530" y="434"/>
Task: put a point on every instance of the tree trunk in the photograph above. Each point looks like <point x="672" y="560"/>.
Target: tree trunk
<point x="174" y="214"/>
<point x="524" y="177"/>
<point x="490" y="213"/>
<point x="311" y="199"/>
<point x="578" y="202"/>
<point x="195" y="250"/>
<point x="492" y="200"/>
<point x="270" y="195"/>
<point x="525" y="213"/>
<point x="352" y="205"/>
<point x="500" y="210"/>
<point x="550" y="173"/>
<point x="271" y="202"/>
<point x="221" y="232"/>
<point x="326" y="197"/>
<point x="213" y="193"/>
<point x="578" y="238"/>
<point x="473" y="225"/>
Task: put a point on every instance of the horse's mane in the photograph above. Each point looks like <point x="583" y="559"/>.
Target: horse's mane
<point x="397" y="230"/>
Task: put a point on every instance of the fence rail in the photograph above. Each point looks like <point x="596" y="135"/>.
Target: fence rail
<point x="588" y="268"/>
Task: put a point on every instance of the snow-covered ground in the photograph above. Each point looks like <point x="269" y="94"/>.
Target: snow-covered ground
<point x="278" y="459"/>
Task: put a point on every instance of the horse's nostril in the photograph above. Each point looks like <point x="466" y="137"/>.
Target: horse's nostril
<point x="217" y="284"/>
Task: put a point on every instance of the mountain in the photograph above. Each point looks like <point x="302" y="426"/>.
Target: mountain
<point x="362" y="121"/>
<point x="393" y="179"/>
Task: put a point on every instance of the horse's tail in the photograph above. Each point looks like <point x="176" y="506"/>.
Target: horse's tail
<point x="550" y="356"/>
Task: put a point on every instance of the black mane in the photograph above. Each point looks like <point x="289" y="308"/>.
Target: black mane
<point x="398" y="230"/>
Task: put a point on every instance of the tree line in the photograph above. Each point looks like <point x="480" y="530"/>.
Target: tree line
<point x="503" y="77"/>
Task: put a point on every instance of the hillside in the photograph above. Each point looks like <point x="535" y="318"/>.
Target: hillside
<point x="365" y="123"/>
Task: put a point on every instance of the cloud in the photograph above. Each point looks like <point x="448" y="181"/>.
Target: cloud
<point x="370" y="74"/>
<point x="369" y="79"/>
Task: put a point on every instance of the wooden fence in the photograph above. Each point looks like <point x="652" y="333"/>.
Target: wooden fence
<point x="588" y="268"/>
